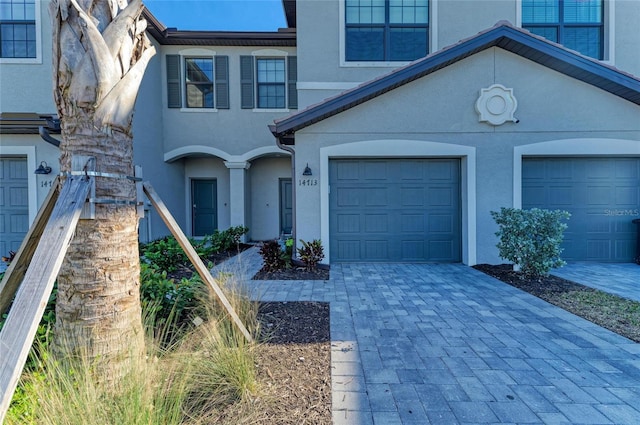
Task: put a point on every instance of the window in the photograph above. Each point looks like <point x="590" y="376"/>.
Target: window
<point x="268" y="83"/>
<point x="199" y="82"/>
<point x="386" y="30"/>
<point x="206" y="82"/>
<point x="577" y="24"/>
<point x="271" y="83"/>
<point x="17" y="29"/>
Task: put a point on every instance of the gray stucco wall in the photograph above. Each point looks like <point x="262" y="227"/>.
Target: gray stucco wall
<point x="440" y="108"/>
<point x="320" y="24"/>
<point x="265" y="196"/>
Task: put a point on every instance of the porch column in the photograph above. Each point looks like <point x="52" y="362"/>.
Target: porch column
<point x="238" y="192"/>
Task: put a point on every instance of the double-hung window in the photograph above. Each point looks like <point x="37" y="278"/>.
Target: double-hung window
<point x="386" y="30"/>
<point x="268" y="82"/>
<point x="271" y="83"/>
<point x="576" y="24"/>
<point x="198" y="82"/>
<point x="18" y="29"/>
<point x="204" y="80"/>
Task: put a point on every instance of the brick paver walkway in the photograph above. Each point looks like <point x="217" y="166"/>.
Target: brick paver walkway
<point x="445" y="344"/>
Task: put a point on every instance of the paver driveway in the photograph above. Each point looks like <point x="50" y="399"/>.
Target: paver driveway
<point x="431" y="344"/>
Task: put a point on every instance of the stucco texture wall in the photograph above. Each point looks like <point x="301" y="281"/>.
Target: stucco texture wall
<point x="438" y="110"/>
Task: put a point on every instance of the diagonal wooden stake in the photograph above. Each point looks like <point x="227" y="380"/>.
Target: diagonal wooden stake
<point x="20" y="327"/>
<point x="193" y="256"/>
<point x="16" y="270"/>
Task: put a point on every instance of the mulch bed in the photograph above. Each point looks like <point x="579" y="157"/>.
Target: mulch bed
<point x="293" y="273"/>
<point x="294" y="362"/>
<point x="612" y="312"/>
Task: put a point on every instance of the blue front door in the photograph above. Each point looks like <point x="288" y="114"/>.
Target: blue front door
<point x="204" y="196"/>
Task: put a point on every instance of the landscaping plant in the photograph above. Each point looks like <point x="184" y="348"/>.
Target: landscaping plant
<point x="273" y="257"/>
<point x="531" y="238"/>
<point x="311" y="253"/>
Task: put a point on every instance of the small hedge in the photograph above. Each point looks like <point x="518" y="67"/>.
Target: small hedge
<point x="531" y="238"/>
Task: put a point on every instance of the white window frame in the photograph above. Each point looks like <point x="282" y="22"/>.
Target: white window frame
<point x="195" y="53"/>
<point x="608" y="23"/>
<point x="433" y="40"/>
<point x="269" y="54"/>
<point x="38" y="59"/>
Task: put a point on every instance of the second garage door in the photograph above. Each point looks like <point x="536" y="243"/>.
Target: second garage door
<point x="395" y="210"/>
<point x="602" y="195"/>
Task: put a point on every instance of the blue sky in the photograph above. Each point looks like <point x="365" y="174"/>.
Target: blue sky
<point x="221" y="15"/>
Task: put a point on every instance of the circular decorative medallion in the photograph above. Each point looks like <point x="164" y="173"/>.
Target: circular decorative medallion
<point x="496" y="105"/>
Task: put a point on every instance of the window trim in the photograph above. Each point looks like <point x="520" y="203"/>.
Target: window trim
<point x="271" y="54"/>
<point x="608" y="29"/>
<point x="38" y="58"/>
<point x="221" y="86"/>
<point x="186" y="83"/>
<point x="432" y="44"/>
<point x="258" y="83"/>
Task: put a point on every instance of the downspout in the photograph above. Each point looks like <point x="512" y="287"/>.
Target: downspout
<point x="293" y="191"/>
<point x="44" y="133"/>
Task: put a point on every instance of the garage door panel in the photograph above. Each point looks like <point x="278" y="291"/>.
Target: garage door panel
<point x="348" y="223"/>
<point x="375" y="170"/>
<point x="396" y="220"/>
<point x="412" y="196"/>
<point x="412" y="223"/>
<point x="413" y="250"/>
<point x="626" y="196"/>
<point x="348" y="197"/>
<point x="626" y="169"/>
<point x="347" y="170"/>
<point x="376" y="196"/>
<point x="376" y="249"/>
<point x="602" y="195"/>
<point x="376" y="223"/>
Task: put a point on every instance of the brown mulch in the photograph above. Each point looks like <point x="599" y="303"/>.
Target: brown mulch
<point x="293" y="273"/>
<point x="612" y="312"/>
<point x="294" y="362"/>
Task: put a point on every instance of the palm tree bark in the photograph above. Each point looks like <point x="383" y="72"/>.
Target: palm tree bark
<point x="100" y="52"/>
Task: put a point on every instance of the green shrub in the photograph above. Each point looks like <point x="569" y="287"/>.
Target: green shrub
<point x="531" y="238"/>
<point x="272" y="256"/>
<point x="164" y="299"/>
<point x="165" y="254"/>
<point x="311" y="253"/>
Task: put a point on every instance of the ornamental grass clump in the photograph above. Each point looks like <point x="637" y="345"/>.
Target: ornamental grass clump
<point x="531" y="239"/>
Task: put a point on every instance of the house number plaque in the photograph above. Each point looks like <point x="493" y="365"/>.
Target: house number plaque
<point x="308" y="182"/>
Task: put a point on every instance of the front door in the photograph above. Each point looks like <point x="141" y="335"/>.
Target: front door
<point x="204" y="196"/>
<point x="286" y="206"/>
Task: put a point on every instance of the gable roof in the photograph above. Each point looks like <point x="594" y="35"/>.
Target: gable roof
<point x="503" y="35"/>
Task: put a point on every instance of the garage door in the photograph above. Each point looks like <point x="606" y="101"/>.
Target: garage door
<point x="14" y="203"/>
<point x="395" y="210"/>
<point x="602" y="195"/>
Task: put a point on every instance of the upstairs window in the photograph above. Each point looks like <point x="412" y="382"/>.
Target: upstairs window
<point x="18" y="29"/>
<point x="271" y="83"/>
<point x="268" y="82"/>
<point x="576" y="24"/>
<point x="204" y="81"/>
<point x="386" y="30"/>
<point x="199" y="82"/>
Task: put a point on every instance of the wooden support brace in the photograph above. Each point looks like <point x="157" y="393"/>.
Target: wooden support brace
<point x="26" y="312"/>
<point x="18" y="267"/>
<point x="193" y="256"/>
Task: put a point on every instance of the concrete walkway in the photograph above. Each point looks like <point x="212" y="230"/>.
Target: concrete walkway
<point x="445" y="344"/>
<point x="617" y="278"/>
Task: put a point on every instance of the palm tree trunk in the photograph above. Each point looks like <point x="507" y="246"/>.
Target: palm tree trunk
<point x="100" y="52"/>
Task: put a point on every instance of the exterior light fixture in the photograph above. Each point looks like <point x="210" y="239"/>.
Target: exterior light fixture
<point x="307" y="171"/>
<point x="43" y="168"/>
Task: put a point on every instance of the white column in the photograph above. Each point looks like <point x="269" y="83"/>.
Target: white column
<point x="237" y="188"/>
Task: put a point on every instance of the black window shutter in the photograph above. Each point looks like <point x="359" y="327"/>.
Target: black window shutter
<point x="246" y="82"/>
<point x="292" y="78"/>
<point x="174" y="93"/>
<point x="222" y="82"/>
